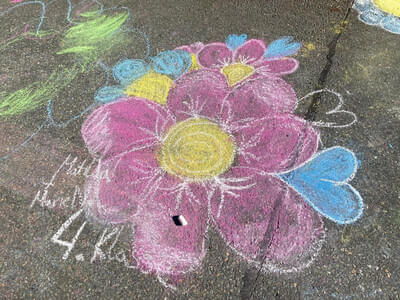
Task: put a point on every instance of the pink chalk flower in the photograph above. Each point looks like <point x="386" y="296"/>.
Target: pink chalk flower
<point x="240" y="60"/>
<point x="209" y="157"/>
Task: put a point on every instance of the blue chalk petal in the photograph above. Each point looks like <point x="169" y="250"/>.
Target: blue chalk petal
<point x="391" y="23"/>
<point x="234" y="41"/>
<point x="108" y="94"/>
<point x="282" y="47"/>
<point x="362" y="5"/>
<point x="323" y="184"/>
<point x="172" y="63"/>
<point x="372" y="16"/>
<point x="130" y="69"/>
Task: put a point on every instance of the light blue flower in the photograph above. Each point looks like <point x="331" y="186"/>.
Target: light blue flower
<point x="129" y="70"/>
<point x="373" y="15"/>
<point x="171" y="63"/>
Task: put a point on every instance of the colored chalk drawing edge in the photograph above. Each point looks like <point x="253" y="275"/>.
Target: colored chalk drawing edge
<point x="363" y="6"/>
<point x="265" y="266"/>
<point x="337" y="183"/>
<point x="268" y="267"/>
<point x="196" y="265"/>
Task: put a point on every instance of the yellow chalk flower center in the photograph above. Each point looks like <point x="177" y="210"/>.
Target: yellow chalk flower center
<point x="152" y="86"/>
<point x="237" y="72"/>
<point x="389" y="6"/>
<point x="197" y="149"/>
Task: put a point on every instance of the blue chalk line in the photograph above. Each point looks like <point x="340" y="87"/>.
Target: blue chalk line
<point x="26" y="3"/>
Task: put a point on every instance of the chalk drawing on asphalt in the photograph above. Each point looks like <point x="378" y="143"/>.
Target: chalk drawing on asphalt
<point x="381" y="13"/>
<point x="198" y="136"/>
<point x="108" y="246"/>
<point x="208" y="132"/>
<point x="95" y="35"/>
<point x="337" y="110"/>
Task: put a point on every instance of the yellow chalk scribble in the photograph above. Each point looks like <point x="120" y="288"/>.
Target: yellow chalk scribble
<point x="339" y="28"/>
<point x="310" y="46"/>
<point x="307" y="49"/>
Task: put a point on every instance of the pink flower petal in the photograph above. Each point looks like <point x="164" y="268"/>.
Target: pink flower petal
<point x="267" y="220"/>
<point x="160" y="245"/>
<point x="198" y="93"/>
<point x="298" y="233"/>
<point x="118" y="187"/>
<point x="126" y="125"/>
<point x="214" y="55"/>
<point x="251" y="51"/>
<point x="254" y="98"/>
<point x="276" y="143"/>
<point x="281" y="66"/>
<point x="193" y="48"/>
<point x="185" y="48"/>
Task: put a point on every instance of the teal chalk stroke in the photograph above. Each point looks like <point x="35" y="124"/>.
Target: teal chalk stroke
<point x="129" y="70"/>
<point x="108" y="94"/>
<point x="172" y="63"/>
<point x="323" y="183"/>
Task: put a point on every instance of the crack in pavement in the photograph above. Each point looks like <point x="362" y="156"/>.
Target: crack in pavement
<point x="247" y="292"/>
<point x="321" y="84"/>
<point x="250" y="276"/>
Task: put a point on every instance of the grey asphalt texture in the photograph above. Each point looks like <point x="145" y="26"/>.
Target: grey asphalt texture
<point x="357" y="261"/>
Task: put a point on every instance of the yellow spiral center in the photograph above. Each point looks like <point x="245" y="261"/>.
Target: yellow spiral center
<point x="197" y="149"/>
<point x="389" y="6"/>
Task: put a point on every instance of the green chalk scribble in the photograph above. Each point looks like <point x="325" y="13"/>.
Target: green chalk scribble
<point x="88" y="40"/>
<point x="95" y="37"/>
<point x="89" y="14"/>
<point x="37" y="93"/>
<point x="30" y="35"/>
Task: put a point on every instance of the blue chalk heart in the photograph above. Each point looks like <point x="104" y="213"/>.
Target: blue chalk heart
<point x="323" y="183"/>
<point x="234" y="41"/>
<point x="128" y="70"/>
<point x="172" y="63"/>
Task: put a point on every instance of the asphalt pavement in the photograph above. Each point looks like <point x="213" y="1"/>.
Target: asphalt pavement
<point x="57" y="57"/>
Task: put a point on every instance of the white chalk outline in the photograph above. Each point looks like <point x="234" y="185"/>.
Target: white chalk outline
<point x="336" y="110"/>
<point x="64" y="226"/>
